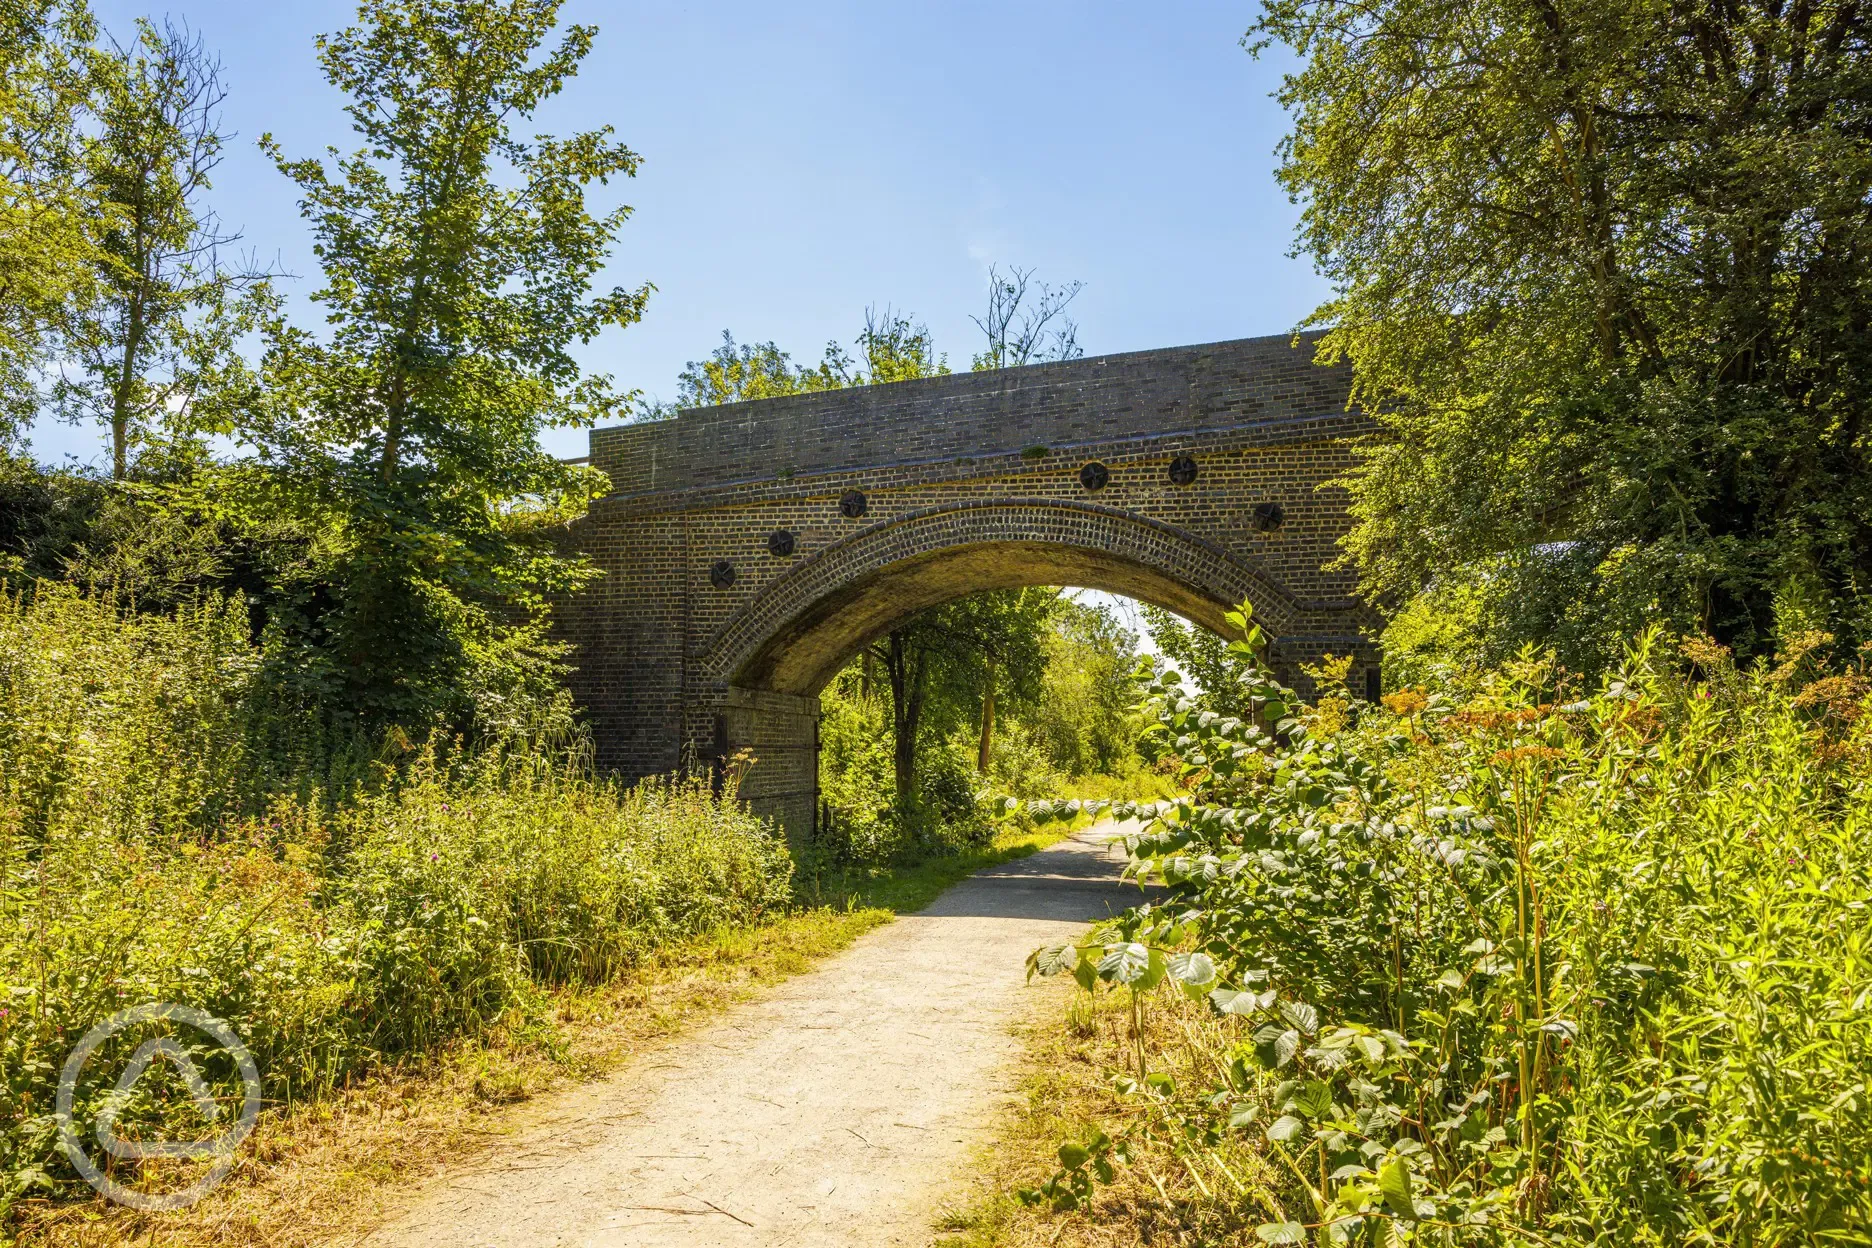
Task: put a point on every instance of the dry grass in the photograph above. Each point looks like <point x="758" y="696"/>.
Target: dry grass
<point x="1073" y="1053"/>
<point x="323" y="1173"/>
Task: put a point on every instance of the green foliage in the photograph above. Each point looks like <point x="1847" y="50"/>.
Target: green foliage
<point x="151" y="353"/>
<point x="863" y="824"/>
<point x="1020" y="693"/>
<point x="859" y="823"/>
<point x="740" y="372"/>
<point x="1541" y="966"/>
<point x="45" y="254"/>
<point x="892" y="347"/>
<point x="1087" y="708"/>
<point x="169" y="831"/>
<point x="1219" y="674"/>
<point x="459" y="261"/>
<point x="1600" y="279"/>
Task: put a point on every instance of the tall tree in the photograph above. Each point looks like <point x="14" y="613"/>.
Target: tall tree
<point x="154" y="345"/>
<point x="951" y="659"/>
<point x="45" y="256"/>
<point x="459" y="263"/>
<point x="1603" y="273"/>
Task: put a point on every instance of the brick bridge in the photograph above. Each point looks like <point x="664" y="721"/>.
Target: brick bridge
<point x="750" y="550"/>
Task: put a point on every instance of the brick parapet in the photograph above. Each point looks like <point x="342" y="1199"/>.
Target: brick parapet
<point x="1104" y="398"/>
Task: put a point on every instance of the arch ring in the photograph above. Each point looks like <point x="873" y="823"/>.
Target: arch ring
<point x="797" y="629"/>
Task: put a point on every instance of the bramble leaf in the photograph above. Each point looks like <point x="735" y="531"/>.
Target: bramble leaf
<point x="1285" y="1128"/>
<point x="1394" y="1180"/>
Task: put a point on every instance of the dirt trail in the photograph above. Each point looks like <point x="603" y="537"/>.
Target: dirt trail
<point x="839" y="1110"/>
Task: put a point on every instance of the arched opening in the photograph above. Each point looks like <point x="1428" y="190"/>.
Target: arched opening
<point x="804" y="624"/>
<point x="774" y="656"/>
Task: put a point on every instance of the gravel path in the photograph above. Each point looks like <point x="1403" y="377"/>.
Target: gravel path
<point x="838" y="1110"/>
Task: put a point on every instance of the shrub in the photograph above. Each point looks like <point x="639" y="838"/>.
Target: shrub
<point x="1530" y="966"/>
<point x="152" y="849"/>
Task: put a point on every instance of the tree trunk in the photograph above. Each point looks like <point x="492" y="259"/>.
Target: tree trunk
<point x="123" y="392"/>
<point x="987" y="720"/>
<point x="906" y="671"/>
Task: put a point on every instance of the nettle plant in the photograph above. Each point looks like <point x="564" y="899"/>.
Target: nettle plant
<point x="1369" y="907"/>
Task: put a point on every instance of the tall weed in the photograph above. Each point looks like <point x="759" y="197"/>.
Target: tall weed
<point x="1526" y="966"/>
<point x="339" y="911"/>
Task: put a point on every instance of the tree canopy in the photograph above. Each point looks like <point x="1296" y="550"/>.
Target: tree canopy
<point x="1601" y="270"/>
<point x="459" y="262"/>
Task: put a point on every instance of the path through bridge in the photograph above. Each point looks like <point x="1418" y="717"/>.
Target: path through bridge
<point x="841" y="1110"/>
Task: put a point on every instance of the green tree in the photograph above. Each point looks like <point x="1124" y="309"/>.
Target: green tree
<point x="946" y="665"/>
<point x="459" y="263"/>
<point x="1086" y="710"/>
<point x="1602" y="274"/>
<point x="45" y="256"/>
<point x="892" y="347"/>
<point x="154" y="344"/>
<point x="738" y="372"/>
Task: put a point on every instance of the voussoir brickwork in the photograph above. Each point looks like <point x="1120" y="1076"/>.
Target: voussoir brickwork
<point x="749" y="550"/>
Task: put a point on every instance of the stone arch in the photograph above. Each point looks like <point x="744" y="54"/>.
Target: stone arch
<point x="803" y="625"/>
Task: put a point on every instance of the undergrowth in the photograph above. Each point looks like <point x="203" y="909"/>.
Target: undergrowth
<point x="342" y="911"/>
<point x="1512" y="963"/>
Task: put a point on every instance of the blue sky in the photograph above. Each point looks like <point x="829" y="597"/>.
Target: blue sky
<point x="801" y="161"/>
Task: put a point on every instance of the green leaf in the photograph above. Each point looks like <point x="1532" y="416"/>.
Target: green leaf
<point x="1195" y="969"/>
<point x="1052" y="960"/>
<point x="1394" y="1180"/>
<point x="1072" y="1156"/>
<point x="1125" y="963"/>
<point x="1281" y="1233"/>
<point x="1301" y="1015"/>
<point x="1230" y="1001"/>
<point x="1286" y="1128"/>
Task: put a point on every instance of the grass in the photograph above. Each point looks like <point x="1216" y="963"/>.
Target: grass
<point x="1066" y="1094"/>
<point x="315" y="1171"/>
<point x="905" y="889"/>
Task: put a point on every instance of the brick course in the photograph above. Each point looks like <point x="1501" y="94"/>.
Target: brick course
<point x="972" y="481"/>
